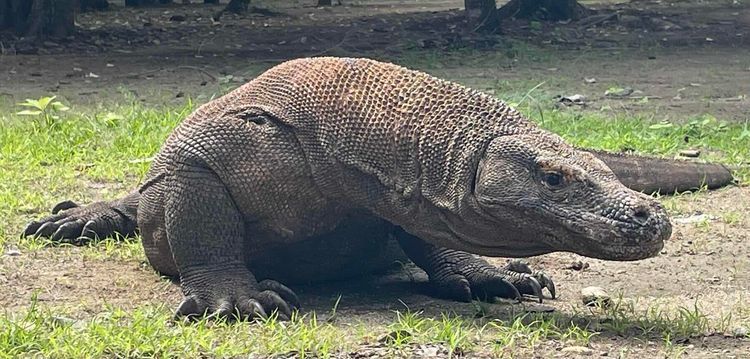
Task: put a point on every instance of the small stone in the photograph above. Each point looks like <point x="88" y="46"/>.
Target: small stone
<point x="690" y="153"/>
<point x="696" y="218"/>
<point x="428" y="351"/>
<point x="579" y="350"/>
<point x="396" y="336"/>
<point x="573" y="99"/>
<point x="62" y="321"/>
<point x="740" y="332"/>
<point x="595" y="297"/>
<point x="618" y="92"/>
<point x="12" y="252"/>
<point x="578" y="265"/>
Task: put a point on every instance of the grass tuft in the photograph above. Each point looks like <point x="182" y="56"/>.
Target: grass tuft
<point x="150" y="332"/>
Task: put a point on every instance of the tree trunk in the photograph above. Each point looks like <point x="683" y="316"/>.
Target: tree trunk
<point x="325" y="2"/>
<point x="88" y="5"/>
<point x="549" y="10"/>
<point x="13" y="15"/>
<point x="38" y="18"/>
<point x="482" y="15"/>
<point x="210" y="1"/>
<point x="237" y="6"/>
<point x="139" y="2"/>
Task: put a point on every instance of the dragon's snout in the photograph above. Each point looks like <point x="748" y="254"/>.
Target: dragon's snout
<point x="644" y="231"/>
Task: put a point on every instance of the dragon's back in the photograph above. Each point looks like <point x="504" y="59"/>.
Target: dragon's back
<point x="405" y="128"/>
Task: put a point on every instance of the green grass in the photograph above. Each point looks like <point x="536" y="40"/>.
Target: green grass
<point x="717" y="139"/>
<point x="86" y="155"/>
<point x="149" y="331"/>
<point x="81" y="156"/>
<point x="622" y="318"/>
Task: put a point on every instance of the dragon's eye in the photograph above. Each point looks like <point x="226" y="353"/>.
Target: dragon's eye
<point x="552" y="179"/>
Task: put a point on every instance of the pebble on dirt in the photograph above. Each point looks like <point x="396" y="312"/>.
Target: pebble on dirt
<point x="577" y="350"/>
<point x="690" y="153"/>
<point x="740" y="332"/>
<point x="12" y="252"/>
<point x="595" y="297"/>
<point x="571" y="100"/>
<point x="578" y="265"/>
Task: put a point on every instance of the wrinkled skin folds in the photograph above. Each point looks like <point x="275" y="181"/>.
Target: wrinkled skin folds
<point x="315" y="169"/>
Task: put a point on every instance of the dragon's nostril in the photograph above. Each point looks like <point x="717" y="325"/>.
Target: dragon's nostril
<point x="641" y="215"/>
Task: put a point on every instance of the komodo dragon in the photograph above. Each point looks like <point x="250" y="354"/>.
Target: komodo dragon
<point x="305" y="172"/>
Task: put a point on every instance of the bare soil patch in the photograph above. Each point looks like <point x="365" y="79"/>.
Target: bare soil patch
<point x="64" y="277"/>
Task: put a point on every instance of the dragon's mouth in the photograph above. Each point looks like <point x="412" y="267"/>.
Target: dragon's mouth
<point x="513" y="250"/>
<point x="604" y="237"/>
<point x="624" y="252"/>
<point x="630" y="232"/>
<point x="621" y="240"/>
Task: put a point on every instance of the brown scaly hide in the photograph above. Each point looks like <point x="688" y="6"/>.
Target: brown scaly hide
<point x="404" y="128"/>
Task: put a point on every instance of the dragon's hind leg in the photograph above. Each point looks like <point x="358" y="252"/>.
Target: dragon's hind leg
<point x="76" y="224"/>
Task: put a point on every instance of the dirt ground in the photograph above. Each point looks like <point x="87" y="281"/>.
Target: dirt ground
<point x="687" y="57"/>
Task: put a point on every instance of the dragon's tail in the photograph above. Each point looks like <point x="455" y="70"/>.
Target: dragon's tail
<point x="666" y="176"/>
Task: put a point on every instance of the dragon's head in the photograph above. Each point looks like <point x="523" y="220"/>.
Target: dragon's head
<point x="534" y="193"/>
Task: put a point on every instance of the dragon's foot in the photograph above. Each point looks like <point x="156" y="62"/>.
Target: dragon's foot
<point x="528" y="280"/>
<point x="72" y="223"/>
<point x="226" y="297"/>
<point x="474" y="278"/>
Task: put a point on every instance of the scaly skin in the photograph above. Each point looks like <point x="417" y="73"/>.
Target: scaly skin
<point x="337" y="153"/>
